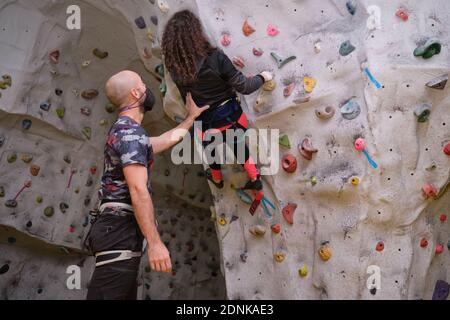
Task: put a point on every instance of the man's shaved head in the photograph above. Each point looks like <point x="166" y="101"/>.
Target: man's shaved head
<point x="119" y="87"/>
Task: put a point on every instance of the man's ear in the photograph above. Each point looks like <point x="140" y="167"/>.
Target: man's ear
<point x="135" y="93"/>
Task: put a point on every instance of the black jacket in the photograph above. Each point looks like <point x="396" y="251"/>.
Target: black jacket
<point x="218" y="81"/>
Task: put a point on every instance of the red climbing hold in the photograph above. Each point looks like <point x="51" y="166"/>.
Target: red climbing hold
<point x="276" y="228"/>
<point x="289" y="163"/>
<point x="424" y="243"/>
<point x="307" y="150"/>
<point x="447" y="149"/>
<point x="439" y="249"/>
<point x="380" y="246"/>
<point x="288" y="212"/>
<point x="429" y="191"/>
<point x="443" y="218"/>
<point x="93" y="170"/>
<point x="402" y="14"/>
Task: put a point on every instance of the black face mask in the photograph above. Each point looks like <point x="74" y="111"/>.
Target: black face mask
<point x="147" y="104"/>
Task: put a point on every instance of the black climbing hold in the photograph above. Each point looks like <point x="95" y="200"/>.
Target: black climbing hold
<point x="160" y="70"/>
<point x="4" y="269"/>
<point x="26" y="124"/>
<point x="45" y="106"/>
<point x="2" y="192"/>
<point x="58" y="92"/>
<point x="40" y="290"/>
<point x="351" y="7"/>
<point x="373" y="291"/>
<point x="154" y="20"/>
<point x="12" y="240"/>
<point x="29" y="224"/>
<point x="63" y="207"/>
<point x="2" y="140"/>
<point x="140" y="23"/>
<point x="11" y="203"/>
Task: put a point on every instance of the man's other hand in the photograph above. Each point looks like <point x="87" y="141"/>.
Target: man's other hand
<point x="159" y="257"/>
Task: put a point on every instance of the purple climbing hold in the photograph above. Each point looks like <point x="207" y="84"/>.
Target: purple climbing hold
<point x="140" y="23"/>
<point x="441" y="290"/>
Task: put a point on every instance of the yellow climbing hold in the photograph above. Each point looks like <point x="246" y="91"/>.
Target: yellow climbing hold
<point x="222" y="220"/>
<point x="355" y="181"/>
<point x="279" y="257"/>
<point x="303" y="271"/>
<point x="309" y="84"/>
<point x="270" y="85"/>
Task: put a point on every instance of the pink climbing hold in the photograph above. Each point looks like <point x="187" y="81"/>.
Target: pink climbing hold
<point x="272" y="30"/>
<point x="439" y="249"/>
<point x="447" y="149"/>
<point x="288" y="90"/>
<point x="54" y="56"/>
<point x="429" y="191"/>
<point x="289" y="163"/>
<point x="307" y="150"/>
<point x="360" y="144"/>
<point x="258" y="52"/>
<point x="289" y="211"/>
<point x="226" y="40"/>
<point x="402" y="14"/>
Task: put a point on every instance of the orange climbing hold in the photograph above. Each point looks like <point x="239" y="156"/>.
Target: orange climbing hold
<point x="325" y="252"/>
<point x="276" y="228"/>
<point x="289" y="163"/>
<point x="380" y="246"/>
<point x="429" y="191"/>
<point x="289" y="211"/>
<point x="247" y="29"/>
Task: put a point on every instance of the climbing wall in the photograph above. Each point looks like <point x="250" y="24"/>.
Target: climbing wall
<point x="359" y="96"/>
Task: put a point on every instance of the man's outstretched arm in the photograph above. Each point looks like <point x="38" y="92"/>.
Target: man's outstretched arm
<point x="175" y="136"/>
<point x="137" y="177"/>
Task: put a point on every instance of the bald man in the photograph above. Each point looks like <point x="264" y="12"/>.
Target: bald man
<point x="126" y="215"/>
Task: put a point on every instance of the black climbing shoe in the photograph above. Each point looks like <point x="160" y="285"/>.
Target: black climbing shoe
<point x="219" y="185"/>
<point x="254" y="185"/>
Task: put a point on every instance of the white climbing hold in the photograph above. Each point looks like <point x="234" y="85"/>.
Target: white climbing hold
<point x="374" y="20"/>
<point x="163" y="6"/>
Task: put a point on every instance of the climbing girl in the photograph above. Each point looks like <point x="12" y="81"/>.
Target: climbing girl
<point x="196" y="66"/>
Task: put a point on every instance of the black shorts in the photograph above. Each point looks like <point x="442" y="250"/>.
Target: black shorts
<point x="117" y="280"/>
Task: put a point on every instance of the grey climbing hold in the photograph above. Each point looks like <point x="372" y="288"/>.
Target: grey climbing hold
<point x="281" y="62"/>
<point x="346" y="48"/>
<point x="351" y="110"/>
<point x="67" y="159"/>
<point x="140" y="23"/>
<point x="438" y="83"/>
<point x="423" y="112"/>
<point x="325" y="113"/>
<point x="45" y="106"/>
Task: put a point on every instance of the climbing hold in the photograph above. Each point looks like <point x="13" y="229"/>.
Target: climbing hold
<point x="309" y="84"/>
<point x="284" y="141"/>
<point x="163" y="89"/>
<point x="163" y="6"/>
<point x="60" y="112"/>
<point x="272" y="30"/>
<point x="58" y="92"/>
<point x="39" y="199"/>
<point x="276" y="228"/>
<point x="154" y="20"/>
<point x="89" y="94"/>
<point x="12" y="240"/>
<point x="350" y="110"/>
<point x="447" y="149"/>
<point x="346" y="48"/>
<point x="100" y="54"/>
<point x="239" y="62"/>
<point x="351" y="7"/>
<point x="222" y="220"/>
<point x="306" y="149"/>
<point x="226" y="40"/>
<point x="423" y="112"/>
<point x="288" y="90"/>
<point x="247" y="29"/>
<point x="289" y="211"/>
<point x="11" y="204"/>
<point x="110" y="108"/>
<point x="34" y="170"/>
<point x="438" y="83"/>
<point x="429" y="49"/>
<point x="258" y="52"/>
<point x="244" y="257"/>
<point x="2" y="140"/>
<point x="26" y="124"/>
<point x="303" y="271"/>
<point x="374" y="20"/>
<point x="279" y="257"/>
<point x="89" y="182"/>
<point x="7" y="80"/>
<point x="86" y="111"/>
<point x="4" y="269"/>
<point x="380" y="246"/>
<point x="360" y="145"/>
<point x="424" y="243"/>
<point x="86" y="63"/>
<point x="439" y="249"/>
<point x="318" y="47"/>
<point x="12" y="158"/>
<point x="281" y="62"/>
<point x="103" y="122"/>
<point x="49" y="212"/>
<point x="429" y="191"/>
<point x="72" y="229"/>
<point x="448" y="245"/>
<point x="258" y="230"/>
<point x="87" y="132"/>
<point x="160" y="70"/>
<point x="67" y="159"/>
<point x="45" y="106"/>
<point x="325" y="113"/>
<point x="325" y="252"/>
<point x="140" y="23"/>
<point x="355" y="181"/>
<point x="63" y="207"/>
<point x="93" y="170"/>
<point x="27" y="158"/>
<point x="2" y="192"/>
<point x="151" y="37"/>
<point x="54" y="56"/>
<point x="441" y="290"/>
<point x="402" y="14"/>
<point x="314" y="180"/>
<point x="270" y="85"/>
<point x="244" y="196"/>
<point x="442" y="218"/>
<point x="289" y="163"/>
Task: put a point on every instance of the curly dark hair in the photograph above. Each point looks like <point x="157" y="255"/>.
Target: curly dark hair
<point x="184" y="44"/>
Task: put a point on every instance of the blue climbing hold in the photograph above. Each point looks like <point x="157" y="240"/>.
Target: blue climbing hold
<point x="441" y="290"/>
<point x="351" y="110"/>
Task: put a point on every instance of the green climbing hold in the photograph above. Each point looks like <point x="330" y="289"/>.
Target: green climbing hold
<point x="314" y="180"/>
<point x="110" y="108"/>
<point x="281" y="62"/>
<point x="39" y="199"/>
<point x="284" y="141"/>
<point x="61" y="112"/>
<point x="49" y="212"/>
<point x="2" y="192"/>
<point x="11" y="204"/>
<point x="346" y="48"/>
<point x="423" y="112"/>
<point x="429" y="49"/>
<point x="87" y="132"/>
<point x="12" y="158"/>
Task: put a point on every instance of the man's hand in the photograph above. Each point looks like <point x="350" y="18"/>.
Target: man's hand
<point x="193" y="110"/>
<point x="159" y="257"/>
